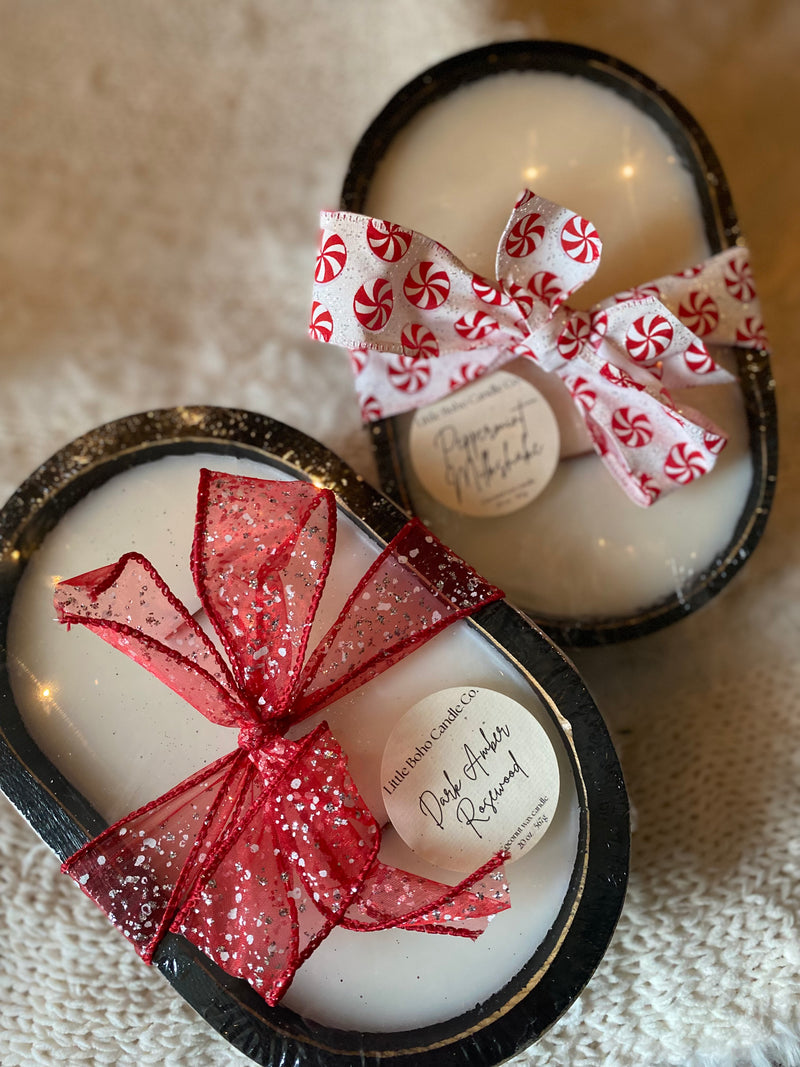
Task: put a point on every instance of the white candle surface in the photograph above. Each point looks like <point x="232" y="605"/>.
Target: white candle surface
<point x="123" y="738"/>
<point x="581" y="549"/>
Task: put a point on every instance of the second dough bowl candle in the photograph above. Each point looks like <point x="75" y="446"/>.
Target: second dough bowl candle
<point x="87" y="736"/>
<point x="447" y="158"/>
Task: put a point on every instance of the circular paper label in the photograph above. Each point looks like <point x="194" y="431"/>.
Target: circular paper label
<point x="466" y="773"/>
<point x="488" y="449"/>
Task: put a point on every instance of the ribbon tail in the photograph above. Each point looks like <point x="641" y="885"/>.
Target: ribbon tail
<point x="649" y="446"/>
<point x="242" y="912"/>
<point x="647" y="334"/>
<point x="140" y="870"/>
<point x="717" y="300"/>
<point x="392" y="898"/>
<point x="283" y="877"/>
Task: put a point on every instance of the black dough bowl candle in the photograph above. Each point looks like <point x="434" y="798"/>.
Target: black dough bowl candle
<point x="87" y="736"/>
<point x="447" y="156"/>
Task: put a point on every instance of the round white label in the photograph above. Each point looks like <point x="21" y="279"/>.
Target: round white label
<point x="488" y="449"/>
<point x="466" y="773"/>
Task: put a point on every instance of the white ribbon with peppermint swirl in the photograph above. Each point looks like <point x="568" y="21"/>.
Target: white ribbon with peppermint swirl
<point x="419" y="325"/>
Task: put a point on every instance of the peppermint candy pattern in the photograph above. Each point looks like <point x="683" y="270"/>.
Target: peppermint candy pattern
<point x="684" y="463"/>
<point x="525" y="236"/>
<point x="739" y="280"/>
<point x="489" y="293"/>
<point x="639" y="292"/>
<point x="752" y="333"/>
<point x="467" y="372"/>
<point x="426" y="286"/>
<point x="321" y="325"/>
<point x="548" y="288"/>
<point x="387" y="241"/>
<point x="475" y="326"/>
<point x="373" y="304"/>
<point x="698" y="360"/>
<point x="524" y="349"/>
<point x="715" y="299"/>
<point x="599" y="439"/>
<point x="632" y="428"/>
<point x="359" y="357"/>
<point x="598" y="327"/>
<point x="582" y="393"/>
<point x="714" y="442"/>
<point x="409" y="374"/>
<point x="580" y="240"/>
<point x="619" y="376"/>
<point x="575" y="335"/>
<point x="419" y="342"/>
<point x="409" y="328"/>
<point x="648" y="487"/>
<point x="700" y="313"/>
<point x="648" y="337"/>
<point x="371" y="409"/>
<point x="331" y="258"/>
<point x="522" y="298"/>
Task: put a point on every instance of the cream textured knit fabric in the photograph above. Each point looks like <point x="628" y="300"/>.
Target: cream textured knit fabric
<point x="161" y="169"/>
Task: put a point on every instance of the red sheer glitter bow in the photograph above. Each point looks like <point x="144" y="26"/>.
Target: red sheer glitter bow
<point x="258" y="856"/>
<point x="420" y="325"/>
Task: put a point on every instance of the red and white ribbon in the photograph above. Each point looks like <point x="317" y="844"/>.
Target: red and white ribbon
<point x="420" y="325"/>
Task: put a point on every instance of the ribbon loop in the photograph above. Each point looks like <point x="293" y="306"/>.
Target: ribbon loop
<point x="547" y="251"/>
<point x="259" y="592"/>
<point x="410" y="593"/>
<point x="128" y="604"/>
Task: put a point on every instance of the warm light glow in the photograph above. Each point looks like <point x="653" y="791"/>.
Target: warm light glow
<point x="190" y="418"/>
<point x="530" y="174"/>
<point x="47" y="698"/>
<point x="628" y="170"/>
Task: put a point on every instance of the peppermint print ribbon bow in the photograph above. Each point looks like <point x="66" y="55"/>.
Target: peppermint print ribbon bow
<point x="258" y="856"/>
<point x="420" y="325"/>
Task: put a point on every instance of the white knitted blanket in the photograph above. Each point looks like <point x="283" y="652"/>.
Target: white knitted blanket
<point x="161" y="169"/>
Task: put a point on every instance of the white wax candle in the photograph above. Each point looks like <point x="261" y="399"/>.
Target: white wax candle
<point x="122" y="738"/>
<point x="580" y="549"/>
